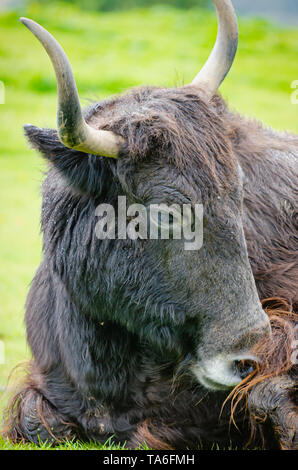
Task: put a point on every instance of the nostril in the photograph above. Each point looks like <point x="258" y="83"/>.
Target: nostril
<point x="244" y="368"/>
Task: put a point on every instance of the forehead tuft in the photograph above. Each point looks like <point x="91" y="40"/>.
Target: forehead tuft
<point x="175" y="126"/>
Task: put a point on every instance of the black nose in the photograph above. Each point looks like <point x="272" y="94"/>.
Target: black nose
<point x="244" y="368"/>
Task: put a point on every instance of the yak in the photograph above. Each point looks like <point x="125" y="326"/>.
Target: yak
<point x="141" y="339"/>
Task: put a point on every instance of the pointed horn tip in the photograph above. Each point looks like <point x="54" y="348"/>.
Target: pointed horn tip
<point x="30" y="24"/>
<point x="25" y="21"/>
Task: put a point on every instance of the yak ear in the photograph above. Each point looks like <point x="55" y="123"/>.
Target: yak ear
<point x="46" y="141"/>
<point x="88" y="174"/>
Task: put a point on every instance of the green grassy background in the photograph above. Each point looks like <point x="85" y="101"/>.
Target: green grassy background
<point x="110" y="53"/>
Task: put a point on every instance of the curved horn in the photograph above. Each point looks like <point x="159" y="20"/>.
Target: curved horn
<point x="73" y="131"/>
<point x="222" y="56"/>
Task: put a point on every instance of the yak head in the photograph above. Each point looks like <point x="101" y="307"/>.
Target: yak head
<point x="167" y="147"/>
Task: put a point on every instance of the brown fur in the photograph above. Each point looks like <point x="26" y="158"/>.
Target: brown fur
<point x="275" y="354"/>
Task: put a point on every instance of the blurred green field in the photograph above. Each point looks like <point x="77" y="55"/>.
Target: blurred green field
<point x="110" y="52"/>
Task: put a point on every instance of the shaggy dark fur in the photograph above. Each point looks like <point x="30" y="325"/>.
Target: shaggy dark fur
<point x="112" y="344"/>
